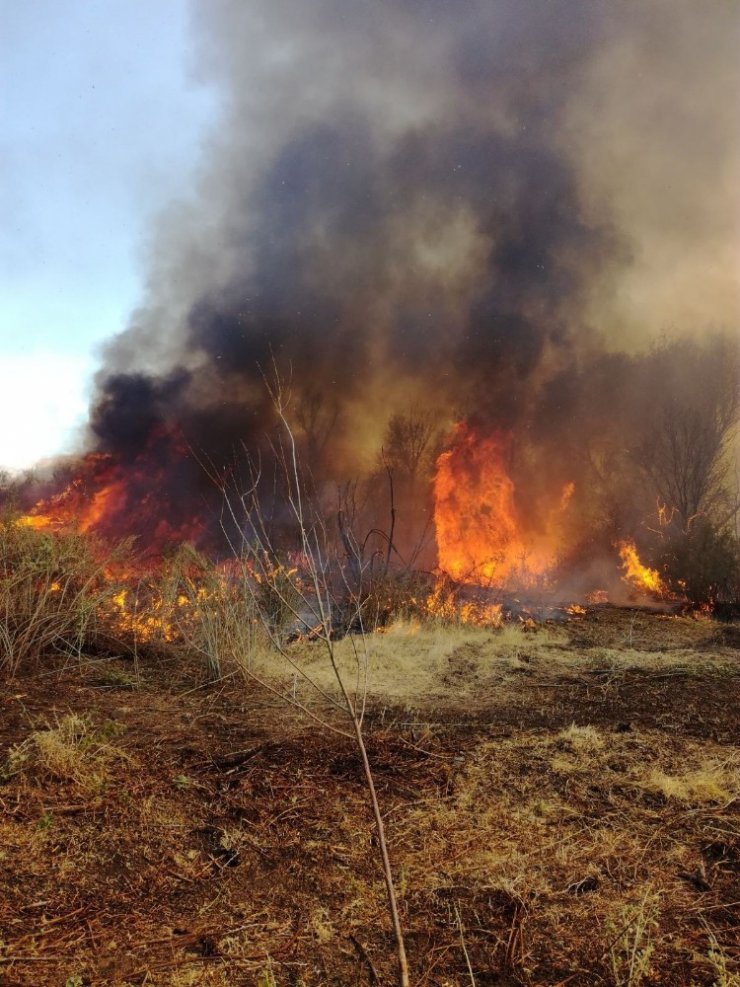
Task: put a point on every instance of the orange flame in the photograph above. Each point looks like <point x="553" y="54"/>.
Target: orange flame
<point x="443" y="604"/>
<point x="39" y="522"/>
<point x="101" y="505"/>
<point x="480" y="535"/>
<point x="113" y="500"/>
<point x="637" y="574"/>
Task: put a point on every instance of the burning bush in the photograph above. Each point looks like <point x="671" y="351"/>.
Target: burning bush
<point x="211" y="610"/>
<point x="53" y="592"/>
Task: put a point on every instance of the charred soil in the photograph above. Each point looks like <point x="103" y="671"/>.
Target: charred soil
<point x="562" y="808"/>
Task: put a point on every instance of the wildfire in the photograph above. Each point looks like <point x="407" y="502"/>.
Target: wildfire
<point x="103" y="503"/>
<point x="151" y="617"/>
<point x="443" y="604"/>
<point x="80" y="504"/>
<point x="637" y="574"/>
<point x="116" y="500"/>
<point x="485" y="542"/>
<point x="480" y="535"/>
<point x="39" y="522"/>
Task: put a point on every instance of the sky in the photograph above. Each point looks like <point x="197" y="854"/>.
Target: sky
<point x="101" y="121"/>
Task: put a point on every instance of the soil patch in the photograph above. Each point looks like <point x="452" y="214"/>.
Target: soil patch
<point x="564" y="822"/>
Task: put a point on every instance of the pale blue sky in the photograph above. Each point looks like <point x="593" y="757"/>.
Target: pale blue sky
<point x="101" y="119"/>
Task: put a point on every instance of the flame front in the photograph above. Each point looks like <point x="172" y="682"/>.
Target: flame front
<point x="474" y="513"/>
<point x="480" y="535"/>
<point x="115" y="500"/>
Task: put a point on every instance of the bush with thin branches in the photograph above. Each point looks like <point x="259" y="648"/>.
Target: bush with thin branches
<point x="54" y="591"/>
<point x="211" y="610"/>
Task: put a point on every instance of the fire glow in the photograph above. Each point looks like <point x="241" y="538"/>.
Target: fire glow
<point x="487" y="547"/>
<point x="114" y="500"/>
<point x="481" y="537"/>
<point x="638" y="575"/>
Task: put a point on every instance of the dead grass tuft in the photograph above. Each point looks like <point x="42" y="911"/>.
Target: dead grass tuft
<point x="585" y="739"/>
<point x="712" y="781"/>
<point x="71" y="750"/>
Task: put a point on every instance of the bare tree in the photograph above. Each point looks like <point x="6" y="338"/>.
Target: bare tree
<point x="311" y="593"/>
<point x="317" y="420"/>
<point x="684" y="451"/>
<point x="408" y="440"/>
<point x="405" y="465"/>
<point x="684" y="459"/>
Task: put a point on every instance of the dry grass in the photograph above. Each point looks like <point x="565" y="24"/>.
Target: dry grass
<point x="413" y="662"/>
<point x="720" y="964"/>
<point x="558" y="828"/>
<point x="411" y="659"/>
<point x="714" y="781"/>
<point x="71" y="750"/>
<point x="553" y="819"/>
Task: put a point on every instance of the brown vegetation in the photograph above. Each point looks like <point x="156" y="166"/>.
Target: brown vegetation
<point x="561" y="805"/>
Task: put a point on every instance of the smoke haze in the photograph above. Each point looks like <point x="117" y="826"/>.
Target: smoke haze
<point x="453" y="206"/>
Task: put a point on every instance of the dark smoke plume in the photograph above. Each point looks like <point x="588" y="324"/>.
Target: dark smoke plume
<point x="415" y="202"/>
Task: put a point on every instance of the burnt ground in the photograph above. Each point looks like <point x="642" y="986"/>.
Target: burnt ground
<point x="575" y="822"/>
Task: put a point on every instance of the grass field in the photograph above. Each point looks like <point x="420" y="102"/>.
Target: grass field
<point x="561" y="804"/>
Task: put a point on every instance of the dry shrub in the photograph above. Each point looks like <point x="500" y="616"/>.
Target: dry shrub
<point x="72" y="750"/>
<point x="702" y="563"/>
<point x="53" y="592"/>
<point x="213" y="611"/>
<point x="392" y="596"/>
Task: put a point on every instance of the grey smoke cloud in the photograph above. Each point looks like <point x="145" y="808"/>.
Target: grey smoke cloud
<point x="434" y="203"/>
